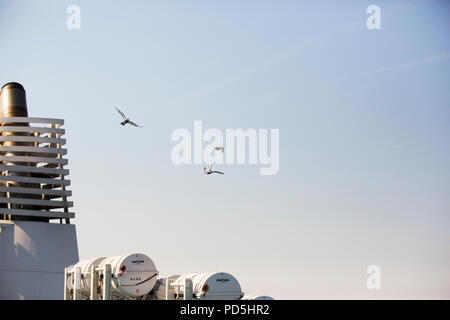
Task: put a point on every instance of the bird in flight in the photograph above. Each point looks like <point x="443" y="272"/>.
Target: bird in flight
<point x="126" y="120"/>
<point x="208" y="170"/>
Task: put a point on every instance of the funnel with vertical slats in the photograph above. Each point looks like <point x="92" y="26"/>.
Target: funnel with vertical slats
<point x="32" y="163"/>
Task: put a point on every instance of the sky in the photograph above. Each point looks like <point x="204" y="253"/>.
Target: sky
<point x="363" y="117"/>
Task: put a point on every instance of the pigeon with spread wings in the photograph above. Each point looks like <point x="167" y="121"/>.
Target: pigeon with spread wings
<point x="126" y="120"/>
<point x="208" y="170"/>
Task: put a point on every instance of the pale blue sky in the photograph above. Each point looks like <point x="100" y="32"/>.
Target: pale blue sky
<point x="364" y="136"/>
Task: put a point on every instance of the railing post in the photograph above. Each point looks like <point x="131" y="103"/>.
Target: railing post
<point x="167" y="288"/>
<point x="67" y="274"/>
<point x="107" y="282"/>
<point x="188" y="293"/>
<point x="77" y="284"/>
<point x="94" y="283"/>
<point x="170" y="289"/>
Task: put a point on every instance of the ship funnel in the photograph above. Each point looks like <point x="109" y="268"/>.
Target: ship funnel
<point x="13" y="101"/>
<point x="31" y="162"/>
<point x="33" y="194"/>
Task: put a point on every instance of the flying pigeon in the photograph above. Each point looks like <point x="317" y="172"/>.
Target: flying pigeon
<point x="208" y="170"/>
<point x="126" y="120"/>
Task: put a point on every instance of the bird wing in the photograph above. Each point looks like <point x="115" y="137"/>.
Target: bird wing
<point x="211" y="155"/>
<point x="121" y="113"/>
<point x="210" y="162"/>
<point x="134" y="124"/>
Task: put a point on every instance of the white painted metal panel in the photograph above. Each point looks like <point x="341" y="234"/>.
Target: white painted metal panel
<point x="31" y="129"/>
<point x="66" y="193"/>
<point x="35" y="180"/>
<point x="39" y="170"/>
<point x="37" y="150"/>
<point x="32" y="259"/>
<point x="38" y="213"/>
<point x="30" y="120"/>
<point x="33" y="159"/>
<point x="44" y="203"/>
<point x="33" y="139"/>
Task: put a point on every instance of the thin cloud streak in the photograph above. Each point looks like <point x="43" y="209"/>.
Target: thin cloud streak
<point x="317" y="40"/>
<point x="402" y="67"/>
<point x="313" y="41"/>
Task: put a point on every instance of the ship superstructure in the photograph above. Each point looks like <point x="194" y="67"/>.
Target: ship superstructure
<point x="37" y="239"/>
